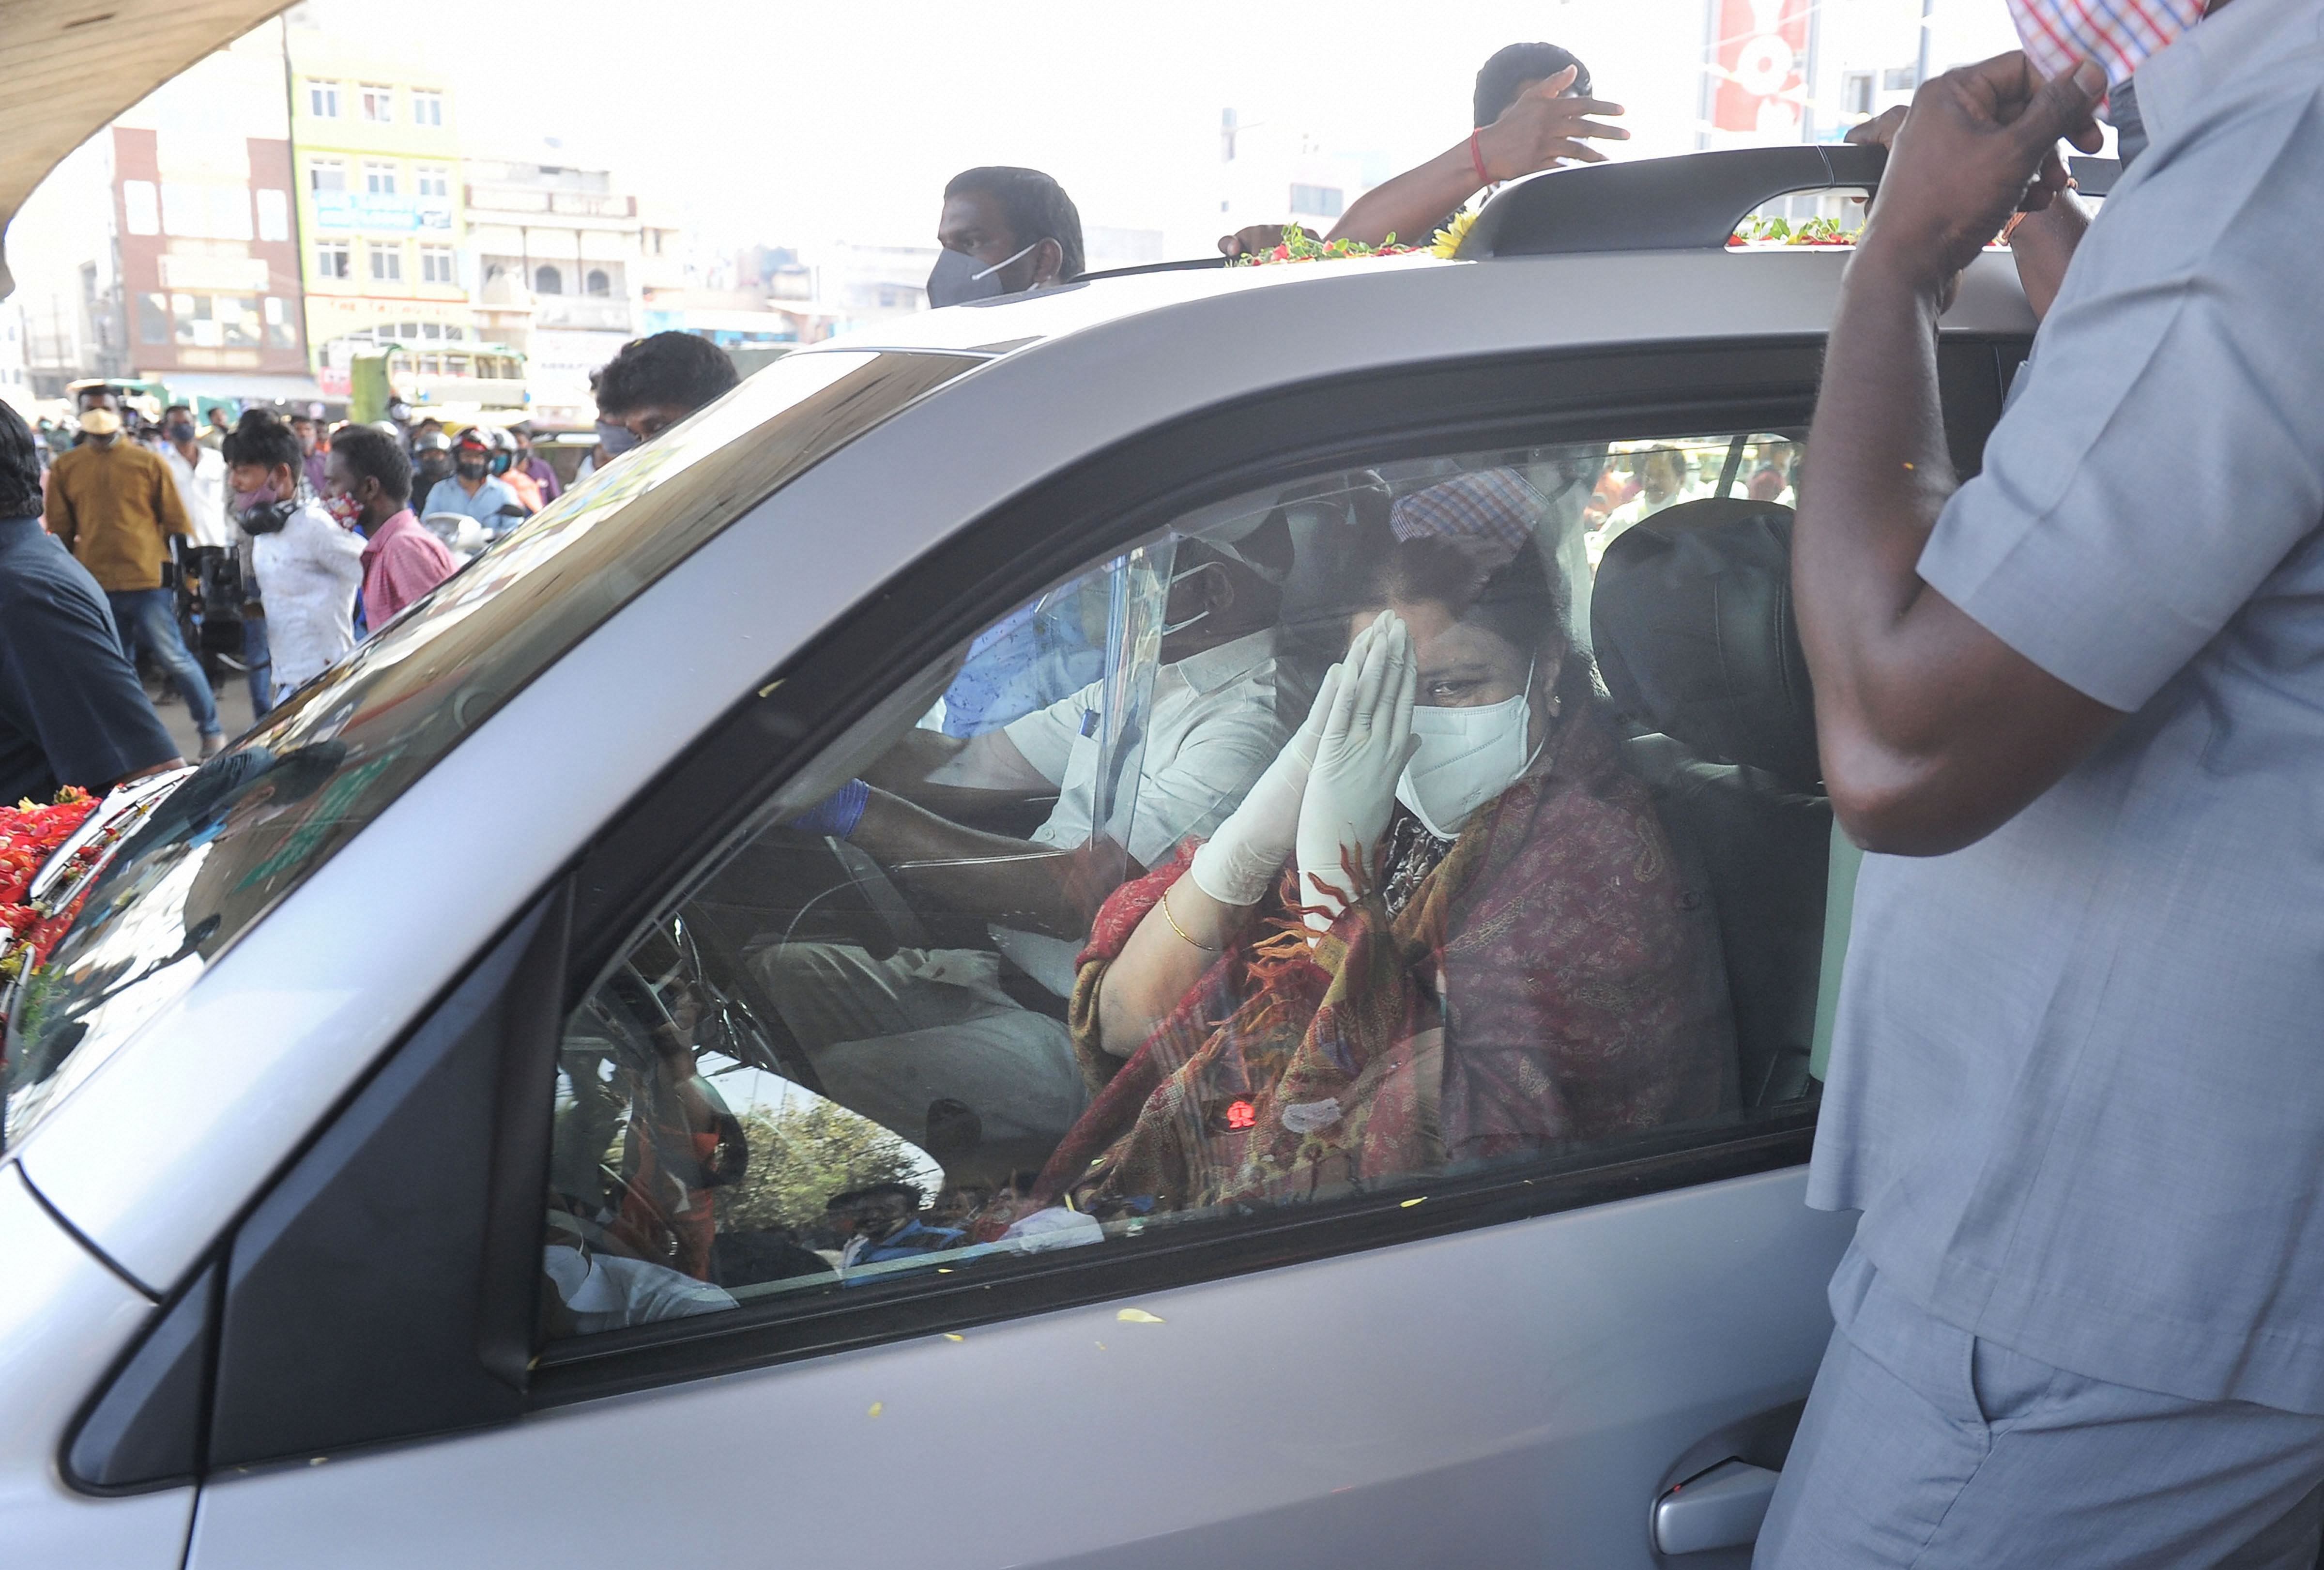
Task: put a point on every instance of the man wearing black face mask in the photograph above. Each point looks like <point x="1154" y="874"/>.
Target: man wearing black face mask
<point x="201" y="473"/>
<point x="431" y="461"/>
<point x="1004" y="231"/>
<point x="472" y="489"/>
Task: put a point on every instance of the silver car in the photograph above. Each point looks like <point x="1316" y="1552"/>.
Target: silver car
<point x="512" y="1110"/>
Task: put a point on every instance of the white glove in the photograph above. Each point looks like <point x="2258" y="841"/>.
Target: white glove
<point x="1238" y="863"/>
<point x="1366" y="742"/>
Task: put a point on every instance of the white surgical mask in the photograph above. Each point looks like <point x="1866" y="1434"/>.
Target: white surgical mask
<point x="1466" y="757"/>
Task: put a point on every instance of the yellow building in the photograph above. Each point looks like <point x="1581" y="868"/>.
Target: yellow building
<point x="382" y="232"/>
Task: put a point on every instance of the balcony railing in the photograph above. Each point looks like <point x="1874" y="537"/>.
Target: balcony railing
<point x="580" y="310"/>
<point x="571" y="204"/>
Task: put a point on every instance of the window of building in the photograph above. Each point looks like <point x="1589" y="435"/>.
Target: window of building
<point x="432" y="179"/>
<point x="379" y="178"/>
<point x="326" y="175"/>
<point x="1322" y="201"/>
<point x="279" y="334"/>
<point x="1856" y="92"/>
<point x="273" y="215"/>
<point x="1900" y="80"/>
<point x="848" y="1055"/>
<point x="430" y="332"/>
<point x="197" y="210"/>
<point x="331" y="259"/>
<point x="323" y="99"/>
<point x="386" y="261"/>
<point x="548" y="280"/>
<point x="426" y="106"/>
<point x="597" y="283"/>
<point x="436" y="264"/>
<point x="378" y="102"/>
<point x="141" y="207"/>
<point x="152" y="318"/>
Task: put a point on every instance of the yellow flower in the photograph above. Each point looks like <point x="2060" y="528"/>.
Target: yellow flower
<point x="1447" y="242"/>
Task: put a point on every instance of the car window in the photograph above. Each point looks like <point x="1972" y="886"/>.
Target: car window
<point x="1066" y="944"/>
<point x="252" y="823"/>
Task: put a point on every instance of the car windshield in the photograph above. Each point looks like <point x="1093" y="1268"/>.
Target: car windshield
<point x="249" y="826"/>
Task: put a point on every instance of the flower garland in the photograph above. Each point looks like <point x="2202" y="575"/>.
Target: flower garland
<point x="29" y="836"/>
<point x="1771" y="231"/>
<point x="1299" y="245"/>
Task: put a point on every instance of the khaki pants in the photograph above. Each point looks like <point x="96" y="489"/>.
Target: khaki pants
<point x="888" y="1036"/>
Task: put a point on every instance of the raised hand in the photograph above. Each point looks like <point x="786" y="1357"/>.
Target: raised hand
<point x="1366" y="742"/>
<point x="1542" y="126"/>
<point x="1238" y="863"/>
<point x="1979" y="144"/>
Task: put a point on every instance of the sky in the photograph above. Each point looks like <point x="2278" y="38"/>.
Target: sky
<point x="789" y="122"/>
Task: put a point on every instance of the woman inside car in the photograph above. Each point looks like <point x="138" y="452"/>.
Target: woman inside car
<point x="1445" y="927"/>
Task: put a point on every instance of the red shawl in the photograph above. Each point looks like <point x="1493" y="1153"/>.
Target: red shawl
<point x="1552" y="980"/>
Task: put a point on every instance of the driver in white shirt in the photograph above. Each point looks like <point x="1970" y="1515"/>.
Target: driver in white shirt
<point x="890" y="1037"/>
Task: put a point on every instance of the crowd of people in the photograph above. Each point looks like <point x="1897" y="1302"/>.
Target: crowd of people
<point x="268" y="546"/>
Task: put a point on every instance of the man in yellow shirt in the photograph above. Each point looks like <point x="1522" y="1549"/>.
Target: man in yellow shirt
<point x="115" y="507"/>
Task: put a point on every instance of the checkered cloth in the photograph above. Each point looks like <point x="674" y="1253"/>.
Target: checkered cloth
<point x="2119" y="34"/>
<point x="1490" y="512"/>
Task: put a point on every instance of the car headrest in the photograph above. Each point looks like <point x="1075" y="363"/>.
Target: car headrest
<point x="1692" y="616"/>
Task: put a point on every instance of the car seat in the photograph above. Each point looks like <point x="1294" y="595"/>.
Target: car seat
<point x="1692" y="617"/>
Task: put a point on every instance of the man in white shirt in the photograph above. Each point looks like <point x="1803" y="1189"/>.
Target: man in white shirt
<point x="201" y="473"/>
<point x="891" y="1037"/>
<point x="308" y="564"/>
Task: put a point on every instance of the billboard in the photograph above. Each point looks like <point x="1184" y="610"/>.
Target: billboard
<point x="1760" y="62"/>
<point x="354" y="210"/>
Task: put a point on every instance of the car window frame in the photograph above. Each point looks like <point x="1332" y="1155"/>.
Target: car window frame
<point x="704" y="803"/>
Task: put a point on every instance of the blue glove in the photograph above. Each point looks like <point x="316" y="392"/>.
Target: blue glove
<point x="837" y="814"/>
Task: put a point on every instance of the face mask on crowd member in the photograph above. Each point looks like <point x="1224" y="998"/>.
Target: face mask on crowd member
<point x="956" y="279"/>
<point x="2058" y="34"/>
<point x="471" y="460"/>
<point x="264" y="499"/>
<point x="616" y="439"/>
<point x="1003" y="231"/>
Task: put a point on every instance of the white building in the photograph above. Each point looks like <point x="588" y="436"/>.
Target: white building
<point x="561" y="264"/>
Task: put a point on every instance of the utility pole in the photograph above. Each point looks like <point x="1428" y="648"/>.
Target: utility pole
<point x="1920" y="67"/>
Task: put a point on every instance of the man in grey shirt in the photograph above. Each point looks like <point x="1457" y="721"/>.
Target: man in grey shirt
<point x="2077" y="706"/>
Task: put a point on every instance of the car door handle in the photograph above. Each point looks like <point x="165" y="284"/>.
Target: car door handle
<point x="1719" y="1508"/>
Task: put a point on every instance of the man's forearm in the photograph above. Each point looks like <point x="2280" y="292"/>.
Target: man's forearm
<point x="1879" y="478"/>
<point x="1411" y="205"/>
<point x="2044" y="244"/>
<point x="965" y="869"/>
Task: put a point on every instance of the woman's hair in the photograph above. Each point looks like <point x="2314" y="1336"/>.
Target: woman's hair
<point x="263" y="441"/>
<point x="1523" y="602"/>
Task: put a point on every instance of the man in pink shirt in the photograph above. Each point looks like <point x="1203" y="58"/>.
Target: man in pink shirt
<point x="368" y="481"/>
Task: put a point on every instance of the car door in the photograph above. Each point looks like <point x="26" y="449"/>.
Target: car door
<point x="682" y="1229"/>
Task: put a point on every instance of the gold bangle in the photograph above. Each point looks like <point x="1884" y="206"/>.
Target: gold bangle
<point x="1181" y="931"/>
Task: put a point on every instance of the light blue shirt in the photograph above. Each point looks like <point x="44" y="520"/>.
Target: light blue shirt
<point x="2077" y="1082"/>
<point x="485" y="507"/>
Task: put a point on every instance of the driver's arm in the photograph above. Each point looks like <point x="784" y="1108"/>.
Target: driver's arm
<point x="957" y="776"/>
<point x="1028" y="885"/>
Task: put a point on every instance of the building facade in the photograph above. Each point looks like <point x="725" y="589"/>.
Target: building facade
<point x="165" y="247"/>
<point x="562" y="262"/>
<point x="381" y="219"/>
